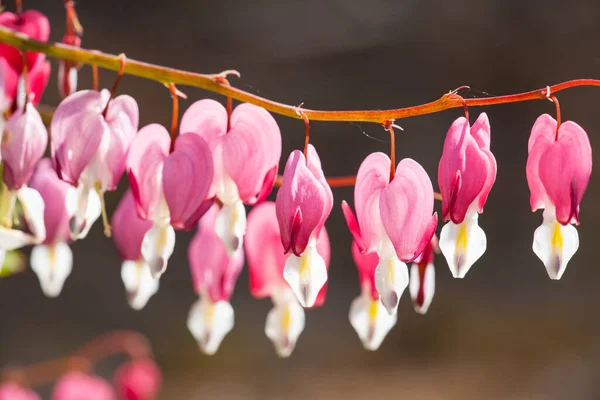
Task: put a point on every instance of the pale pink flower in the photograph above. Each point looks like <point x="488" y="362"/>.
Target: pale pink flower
<point x="246" y="158"/>
<point x="129" y="230"/>
<point x="558" y="171"/>
<point x="266" y="264"/>
<point x="78" y="386"/>
<point x="394" y="219"/>
<point x="169" y="189"/>
<point x="466" y="174"/>
<point x="12" y="391"/>
<point x="303" y="203"/>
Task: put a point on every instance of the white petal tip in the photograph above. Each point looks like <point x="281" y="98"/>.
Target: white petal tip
<point x="285" y="323"/>
<point x="370" y="322"/>
<point x="462" y="244"/>
<point x="209" y="323"/>
<point x="555" y="245"/>
<point x="306" y="275"/>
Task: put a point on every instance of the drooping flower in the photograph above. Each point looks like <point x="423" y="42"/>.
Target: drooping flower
<point x="558" y="171"/>
<point x="129" y="231"/>
<point x="422" y="278"/>
<point x="12" y="391"/>
<point x="246" y="152"/>
<point x="367" y="315"/>
<point x="266" y="263"/>
<point x="303" y="203"/>
<point x="68" y="70"/>
<point x="169" y="189"/>
<point x="52" y="260"/>
<point x="214" y="274"/>
<point x="36" y="26"/>
<point x="23" y="144"/>
<point x="466" y="174"/>
<point x="139" y="379"/>
<point x="89" y="148"/>
<point x="77" y="386"/>
<point x="393" y="219"/>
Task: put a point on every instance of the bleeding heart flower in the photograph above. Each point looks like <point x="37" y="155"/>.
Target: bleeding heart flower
<point x="303" y="203"/>
<point x="466" y="174"/>
<point x="52" y="261"/>
<point x="422" y="278"/>
<point x="266" y="263"/>
<point x="558" y="171"/>
<point x="214" y="274"/>
<point x="12" y="391"/>
<point x="367" y="314"/>
<point x="78" y="386"/>
<point x="36" y="26"/>
<point x="139" y="379"/>
<point x="67" y="70"/>
<point x="246" y="157"/>
<point x="393" y="219"/>
<point x="128" y="233"/>
<point x="89" y="148"/>
<point x="169" y="189"/>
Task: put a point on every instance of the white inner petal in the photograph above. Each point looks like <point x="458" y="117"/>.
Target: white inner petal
<point x="84" y="208"/>
<point x="285" y="323"/>
<point x="209" y="323"/>
<point x="422" y="292"/>
<point x="227" y="190"/>
<point x="32" y="204"/>
<point x="157" y="246"/>
<point x="306" y="274"/>
<point x="52" y="265"/>
<point x="462" y="244"/>
<point x="139" y="283"/>
<point x="391" y="277"/>
<point x="555" y="244"/>
<point x="371" y="321"/>
<point x="230" y="226"/>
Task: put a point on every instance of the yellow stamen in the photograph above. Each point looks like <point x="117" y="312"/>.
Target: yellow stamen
<point x="461" y="238"/>
<point x="7" y="206"/>
<point x="373" y="311"/>
<point x="210" y="313"/>
<point x="304" y="268"/>
<point x="557" y="239"/>
<point x="234" y="218"/>
<point x="107" y="227"/>
<point x="390" y="272"/>
<point x="286" y="320"/>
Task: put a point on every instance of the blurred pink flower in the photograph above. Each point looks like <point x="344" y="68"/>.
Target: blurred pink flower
<point x="79" y="386"/>
<point x="139" y="379"/>
<point x="12" y="391"/>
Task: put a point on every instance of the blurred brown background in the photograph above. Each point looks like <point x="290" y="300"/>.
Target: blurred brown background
<point x="505" y="332"/>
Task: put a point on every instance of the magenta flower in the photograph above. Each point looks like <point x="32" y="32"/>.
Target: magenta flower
<point x="214" y="274"/>
<point x="422" y="278"/>
<point x="68" y="70"/>
<point x="36" y="26"/>
<point x="303" y="203"/>
<point x="77" y="386"/>
<point x="466" y="174"/>
<point x="169" y="189"/>
<point x="12" y="391"/>
<point x="558" y="171"/>
<point x="392" y="219"/>
<point x="266" y="263"/>
<point x="367" y="314"/>
<point x="139" y="379"/>
<point x="52" y="260"/>
<point x="129" y="231"/>
<point x="246" y="158"/>
<point x="89" y="148"/>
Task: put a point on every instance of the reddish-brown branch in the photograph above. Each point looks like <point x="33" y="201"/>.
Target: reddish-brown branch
<point x="558" y="120"/>
<point x="132" y="343"/>
<point x="166" y="75"/>
<point x="95" y="81"/>
<point x="113" y="90"/>
<point x="389" y="125"/>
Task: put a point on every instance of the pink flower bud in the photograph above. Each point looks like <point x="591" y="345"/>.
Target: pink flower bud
<point x="78" y="386"/>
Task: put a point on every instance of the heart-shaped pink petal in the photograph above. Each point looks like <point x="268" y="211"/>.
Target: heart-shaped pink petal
<point x="31" y="23"/>
<point x="251" y="149"/>
<point x="23" y="145"/>
<point x="542" y="136"/>
<point x="54" y="191"/>
<point x="128" y="228"/>
<point x="406" y="206"/>
<point x="213" y="272"/>
<point x="187" y="176"/>
<point x="145" y="161"/>
<point x="303" y="202"/>
<point x="565" y="169"/>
